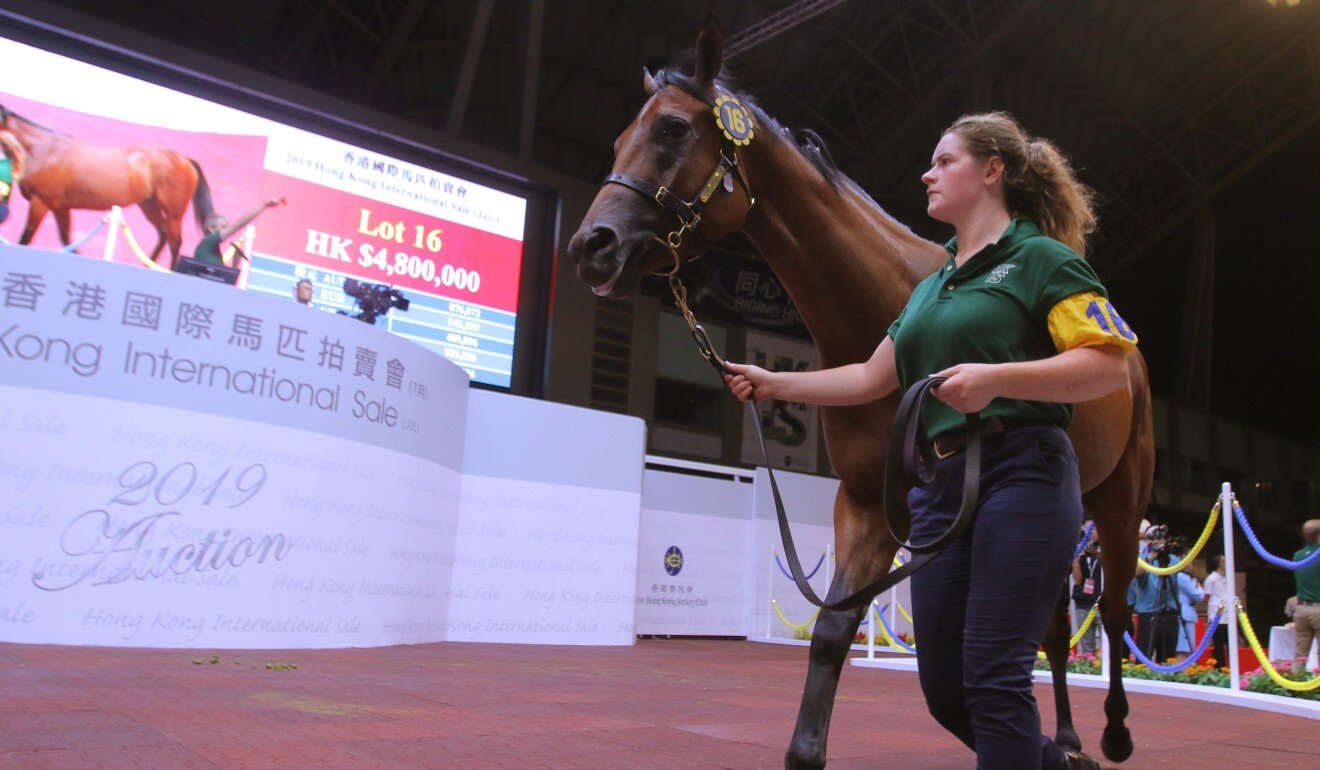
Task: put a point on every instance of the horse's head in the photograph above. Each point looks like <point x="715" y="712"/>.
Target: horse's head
<point x="676" y="184"/>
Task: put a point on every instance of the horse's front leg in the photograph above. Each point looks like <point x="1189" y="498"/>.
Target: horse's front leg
<point x="1056" y="652"/>
<point x="830" y="641"/>
<point x="864" y="551"/>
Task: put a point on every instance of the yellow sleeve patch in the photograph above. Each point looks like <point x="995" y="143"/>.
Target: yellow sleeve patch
<point x="1086" y="320"/>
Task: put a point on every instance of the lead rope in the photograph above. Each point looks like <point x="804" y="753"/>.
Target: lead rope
<point x="907" y="442"/>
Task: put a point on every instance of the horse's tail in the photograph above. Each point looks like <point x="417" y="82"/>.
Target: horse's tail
<point x="203" y="207"/>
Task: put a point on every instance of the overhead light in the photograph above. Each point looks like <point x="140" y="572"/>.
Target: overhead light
<point x="1289" y="3"/>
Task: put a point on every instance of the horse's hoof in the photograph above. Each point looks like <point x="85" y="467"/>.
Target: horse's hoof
<point x="1068" y="740"/>
<point x="1117" y="749"/>
<point x="799" y="758"/>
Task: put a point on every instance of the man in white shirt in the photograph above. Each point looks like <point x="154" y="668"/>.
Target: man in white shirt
<point x="1216" y="592"/>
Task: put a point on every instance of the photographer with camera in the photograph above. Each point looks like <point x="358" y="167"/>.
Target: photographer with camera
<point x="1088" y="582"/>
<point x="1156" y="598"/>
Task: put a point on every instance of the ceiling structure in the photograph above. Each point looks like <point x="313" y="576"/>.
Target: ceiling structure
<point x="1162" y="104"/>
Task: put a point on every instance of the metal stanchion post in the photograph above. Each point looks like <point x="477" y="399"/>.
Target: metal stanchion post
<point x="113" y="221"/>
<point x="770" y="587"/>
<point x="1230" y="608"/>
<point x="870" y="630"/>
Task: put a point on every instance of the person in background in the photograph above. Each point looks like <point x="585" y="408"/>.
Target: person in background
<point x="1189" y="595"/>
<point x="1306" y="618"/>
<point x="1087" y="585"/>
<point x="220" y="230"/>
<point x="302" y="292"/>
<point x="11" y="170"/>
<point x="1216" y="595"/>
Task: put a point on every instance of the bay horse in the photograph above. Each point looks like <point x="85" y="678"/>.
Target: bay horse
<point x="64" y="173"/>
<point x="850" y="268"/>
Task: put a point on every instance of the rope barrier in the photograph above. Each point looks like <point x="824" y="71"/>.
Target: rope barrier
<point x="789" y="575"/>
<point x="137" y="250"/>
<point x="1288" y="564"/>
<point x="1192" y="554"/>
<point x="1265" y="663"/>
<point x="795" y="626"/>
<point x="1086" y="538"/>
<point x="1086" y="624"/>
<point x="891" y="637"/>
<point x="72" y="247"/>
<point x="1186" y="663"/>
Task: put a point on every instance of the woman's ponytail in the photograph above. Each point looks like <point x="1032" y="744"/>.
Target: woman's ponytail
<point x="1039" y="182"/>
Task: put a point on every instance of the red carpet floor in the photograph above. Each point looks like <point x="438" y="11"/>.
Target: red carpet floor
<point x="660" y="704"/>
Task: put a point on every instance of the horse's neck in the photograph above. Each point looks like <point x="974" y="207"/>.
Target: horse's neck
<point x="27" y="134"/>
<point x="848" y="265"/>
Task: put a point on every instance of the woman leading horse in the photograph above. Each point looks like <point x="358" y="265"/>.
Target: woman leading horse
<point x="65" y="173"/>
<point x="1021" y="328"/>
<point x="850" y="269"/>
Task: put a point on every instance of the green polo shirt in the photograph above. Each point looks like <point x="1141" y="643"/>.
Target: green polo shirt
<point x="1308" y="578"/>
<point x="993" y="309"/>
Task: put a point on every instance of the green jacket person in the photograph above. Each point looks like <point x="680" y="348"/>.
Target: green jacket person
<point x="11" y="170"/>
<point x="220" y="230"/>
<point x="1022" y="328"/>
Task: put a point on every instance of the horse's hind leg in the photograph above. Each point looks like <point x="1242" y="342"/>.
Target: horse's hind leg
<point x="1116" y="742"/>
<point x="1056" y="651"/>
<point x="37" y="209"/>
<point x="158" y="220"/>
<point x="1117" y="517"/>
<point x="62" y="224"/>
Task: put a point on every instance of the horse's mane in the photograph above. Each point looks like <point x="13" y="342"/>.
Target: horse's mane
<point x="6" y="113"/>
<point x="807" y="142"/>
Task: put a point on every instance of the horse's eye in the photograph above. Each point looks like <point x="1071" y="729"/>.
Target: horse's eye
<point x="674" y="129"/>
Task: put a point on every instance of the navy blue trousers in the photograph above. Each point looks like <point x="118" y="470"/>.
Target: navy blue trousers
<point x="981" y="606"/>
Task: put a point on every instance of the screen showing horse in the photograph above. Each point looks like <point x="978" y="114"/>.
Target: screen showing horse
<point x="133" y="172"/>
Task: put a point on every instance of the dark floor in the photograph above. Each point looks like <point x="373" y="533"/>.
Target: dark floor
<point x="660" y="704"/>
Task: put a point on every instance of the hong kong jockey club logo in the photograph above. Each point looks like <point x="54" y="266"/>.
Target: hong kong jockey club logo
<point x="999" y="273"/>
<point x="673" y="560"/>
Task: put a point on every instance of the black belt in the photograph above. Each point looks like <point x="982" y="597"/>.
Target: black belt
<point x="951" y="444"/>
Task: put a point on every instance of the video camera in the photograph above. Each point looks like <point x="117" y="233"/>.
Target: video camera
<point x="1160" y="545"/>
<point x="373" y="299"/>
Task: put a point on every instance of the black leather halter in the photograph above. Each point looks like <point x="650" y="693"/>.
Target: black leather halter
<point x="688" y="212"/>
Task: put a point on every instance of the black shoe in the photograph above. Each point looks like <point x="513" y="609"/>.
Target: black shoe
<point x="1076" y="760"/>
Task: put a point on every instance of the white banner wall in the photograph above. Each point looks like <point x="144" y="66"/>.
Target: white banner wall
<point x="187" y="465"/>
<point x="547" y="536"/>
<point x="693" y="570"/>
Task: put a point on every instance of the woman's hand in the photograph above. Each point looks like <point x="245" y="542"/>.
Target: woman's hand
<point x="969" y="388"/>
<point x="749" y="381"/>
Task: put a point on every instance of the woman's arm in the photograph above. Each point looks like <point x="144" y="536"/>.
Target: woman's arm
<point x="1073" y="376"/>
<point x="840" y="386"/>
<point x="243" y="221"/>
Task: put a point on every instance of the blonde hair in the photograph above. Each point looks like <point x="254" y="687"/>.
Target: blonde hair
<point x="1039" y="182"/>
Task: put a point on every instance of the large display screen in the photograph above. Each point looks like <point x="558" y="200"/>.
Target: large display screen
<point x="441" y="256"/>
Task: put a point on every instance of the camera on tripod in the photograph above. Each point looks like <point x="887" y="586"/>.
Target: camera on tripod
<point x="373" y="299"/>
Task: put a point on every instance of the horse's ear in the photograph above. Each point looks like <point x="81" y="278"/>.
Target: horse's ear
<point x="648" y="82"/>
<point x="710" y="52"/>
